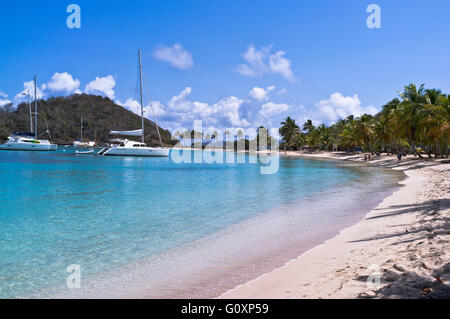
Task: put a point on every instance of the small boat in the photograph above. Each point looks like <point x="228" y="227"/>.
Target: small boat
<point x="84" y="152"/>
<point x="80" y="142"/>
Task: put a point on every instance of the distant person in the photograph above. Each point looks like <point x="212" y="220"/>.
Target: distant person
<point x="399" y="156"/>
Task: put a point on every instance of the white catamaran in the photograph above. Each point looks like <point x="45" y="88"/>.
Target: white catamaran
<point x="132" y="148"/>
<point x="28" y="142"/>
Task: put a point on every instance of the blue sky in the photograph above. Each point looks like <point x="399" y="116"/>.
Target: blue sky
<point x="230" y="63"/>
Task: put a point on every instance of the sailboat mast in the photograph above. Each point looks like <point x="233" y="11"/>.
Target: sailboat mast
<point x="35" y="109"/>
<point x="31" y="112"/>
<point x="81" y="128"/>
<point x="142" y="98"/>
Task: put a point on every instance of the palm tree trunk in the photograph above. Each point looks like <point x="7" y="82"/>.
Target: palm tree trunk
<point x="430" y="151"/>
<point x="414" y="149"/>
<point x="446" y="146"/>
<point x="436" y="149"/>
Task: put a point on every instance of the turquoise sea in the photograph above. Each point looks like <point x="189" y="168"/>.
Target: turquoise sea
<point x="149" y="227"/>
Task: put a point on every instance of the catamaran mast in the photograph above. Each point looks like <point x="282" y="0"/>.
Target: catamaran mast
<point x="35" y="110"/>
<point x="31" y="112"/>
<point x="142" y="98"/>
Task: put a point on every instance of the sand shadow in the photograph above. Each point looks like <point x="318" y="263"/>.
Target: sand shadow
<point x="411" y="285"/>
<point x="429" y="210"/>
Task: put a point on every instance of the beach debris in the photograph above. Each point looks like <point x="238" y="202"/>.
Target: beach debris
<point x="399" y="268"/>
<point x="425" y="266"/>
<point x="439" y="279"/>
<point x="426" y="291"/>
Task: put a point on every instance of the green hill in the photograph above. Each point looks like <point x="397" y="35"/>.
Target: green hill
<point x="62" y="115"/>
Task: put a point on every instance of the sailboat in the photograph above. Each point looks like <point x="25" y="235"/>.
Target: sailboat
<point x="80" y="143"/>
<point x="26" y="141"/>
<point x="133" y="148"/>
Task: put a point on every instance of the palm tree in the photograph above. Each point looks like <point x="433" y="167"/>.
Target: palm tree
<point x="324" y="136"/>
<point x="436" y="120"/>
<point x="308" y="126"/>
<point x="300" y="140"/>
<point x="350" y="119"/>
<point x="432" y="96"/>
<point x="314" y="138"/>
<point x="409" y="112"/>
<point x="390" y="106"/>
<point x="336" y="130"/>
<point x="383" y="131"/>
<point x="349" y="138"/>
<point x="364" y="132"/>
<point x="288" y="130"/>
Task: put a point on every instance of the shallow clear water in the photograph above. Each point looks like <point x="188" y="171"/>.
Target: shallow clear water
<point x="148" y="227"/>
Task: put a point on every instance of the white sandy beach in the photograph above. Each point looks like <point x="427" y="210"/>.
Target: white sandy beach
<point x="405" y="241"/>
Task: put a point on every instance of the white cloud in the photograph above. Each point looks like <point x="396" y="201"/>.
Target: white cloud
<point x="181" y="112"/>
<point x="202" y="109"/>
<point x="103" y="85"/>
<point x="28" y="88"/>
<point x="176" y="56"/>
<point x="339" y="106"/>
<point x="260" y="62"/>
<point x="279" y="64"/>
<point x="282" y="91"/>
<point x="179" y="102"/>
<point x="271" y="108"/>
<point x="4" y="99"/>
<point x="256" y="65"/>
<point x="228" y="109"/>
<point x="158" y="108"/>
<point x="135" y="107"/>
<point x="63" y="82"/>
<point x="3" y="102"/>
<point x="131" y="104"/>
<point x="261" y="94"/>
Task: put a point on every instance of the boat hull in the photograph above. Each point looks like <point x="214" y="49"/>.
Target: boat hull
<point x="140" y="152"/>
<point x="28" y="147"/>
<point x="85" y="153"/>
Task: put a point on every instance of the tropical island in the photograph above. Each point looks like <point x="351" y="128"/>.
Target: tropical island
<point x="60" y="116"/>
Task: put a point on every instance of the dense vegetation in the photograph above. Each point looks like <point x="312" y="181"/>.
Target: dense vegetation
<point x="418" y="122"/>
<point x="62" y="117"/>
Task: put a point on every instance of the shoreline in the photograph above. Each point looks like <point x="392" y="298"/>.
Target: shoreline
<point x="404" y="241"/>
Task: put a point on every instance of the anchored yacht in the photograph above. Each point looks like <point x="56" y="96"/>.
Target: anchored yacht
<point x="23" y="142"/>
<point x="132" y="148"/>
<point x="26" y="141"/>
<point x="81" y="143"/>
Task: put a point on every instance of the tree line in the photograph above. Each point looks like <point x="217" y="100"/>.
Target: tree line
<point x="417" y="122"/>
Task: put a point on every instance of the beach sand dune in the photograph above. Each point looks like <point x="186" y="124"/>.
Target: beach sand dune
<point x="401" y="249"/>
